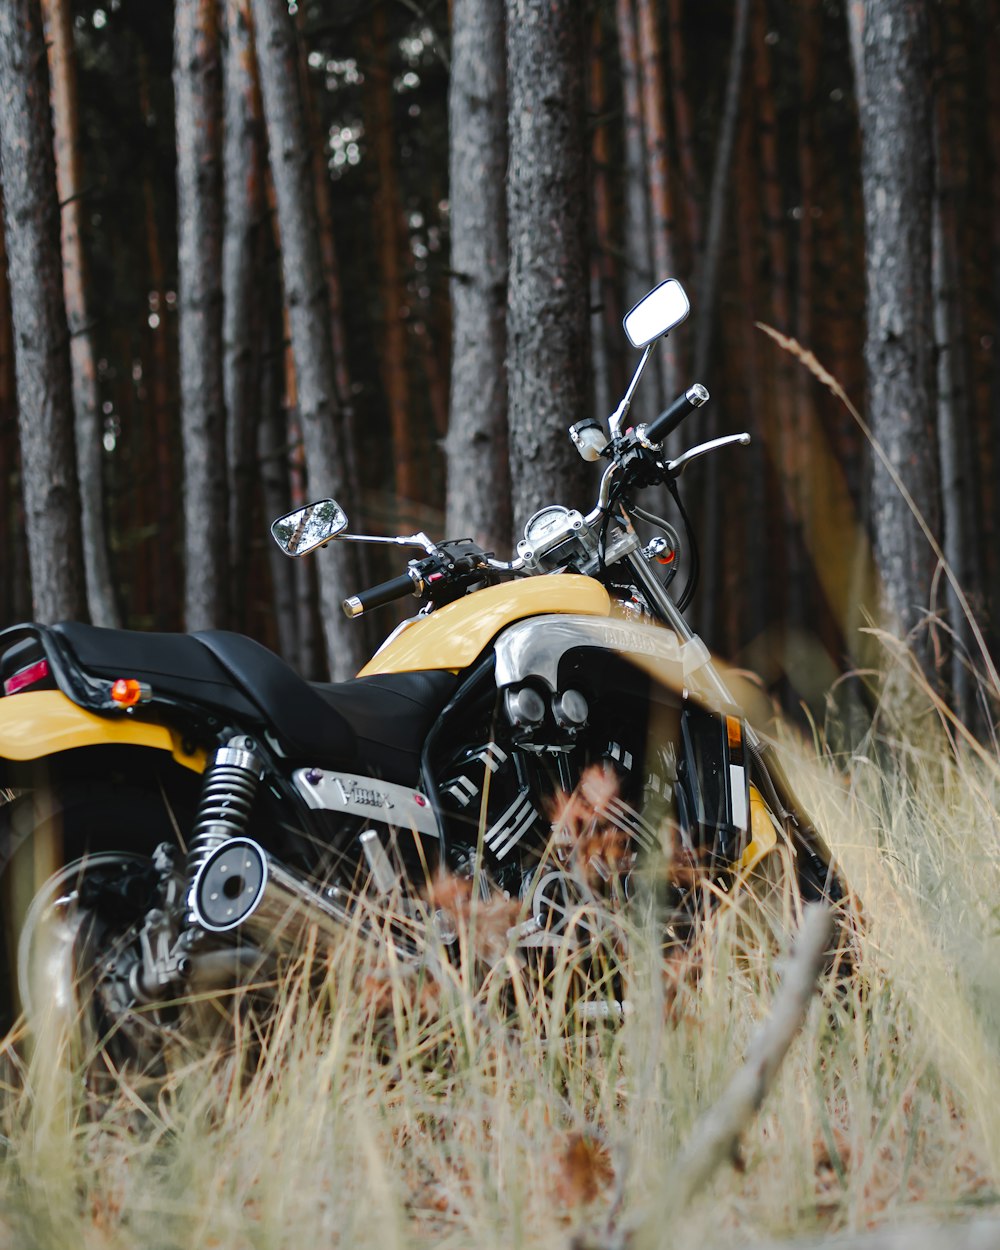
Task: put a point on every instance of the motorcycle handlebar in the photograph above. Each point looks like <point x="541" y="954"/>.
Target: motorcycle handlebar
<point x="671" y="417"/>
<point x="384" y="592"/>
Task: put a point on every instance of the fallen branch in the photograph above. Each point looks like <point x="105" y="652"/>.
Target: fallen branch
<point x="716" y="1136"/>
<point x="974" y="1235"/>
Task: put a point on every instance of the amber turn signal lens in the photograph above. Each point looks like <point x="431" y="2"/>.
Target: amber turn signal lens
<point x="126" y="691"/>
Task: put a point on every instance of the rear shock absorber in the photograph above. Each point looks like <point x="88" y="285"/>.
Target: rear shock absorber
<point x="230" y="786"/>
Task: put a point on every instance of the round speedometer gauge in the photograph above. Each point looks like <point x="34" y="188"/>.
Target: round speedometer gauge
<point x="546" y="524"/>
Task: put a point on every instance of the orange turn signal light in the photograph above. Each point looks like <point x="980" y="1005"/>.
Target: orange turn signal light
<point x="127" y="692"/>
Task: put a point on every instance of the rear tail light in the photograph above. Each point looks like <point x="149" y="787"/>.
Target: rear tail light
<point x="26" y="677"/>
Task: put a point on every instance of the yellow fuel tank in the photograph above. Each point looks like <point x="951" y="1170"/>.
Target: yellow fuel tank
<point x="453" y="636"/>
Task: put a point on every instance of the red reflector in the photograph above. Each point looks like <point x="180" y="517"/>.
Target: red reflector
<point x="26" y="677"/>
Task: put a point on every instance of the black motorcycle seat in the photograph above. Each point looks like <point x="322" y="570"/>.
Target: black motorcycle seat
<point x="175" y="665"/>
<point x="387" y="715"/>
<point x="230" y="675"/>
<point x="391" y="715"/>
<point x="374" y="724"/>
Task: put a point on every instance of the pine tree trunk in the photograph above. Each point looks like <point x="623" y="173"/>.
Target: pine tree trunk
<point x="990" y="443"/>
<point x="547" y="321"/>
<point x="12" y="592"/>
<point x="787" y="448"/>
<point x="719" y="196"/>
<point x="165" y="557"/>
<point x="758" y="594"/>
<point x="899" y="348"/>
<point x="41" y="338"/>
<point x="388" y="223"/>
<point x="955" y="410"/>
<point x="856" y="37"/>
<point x="478" y="493"/>
<point x="605" y="328"/>
<point x="338" y="332"/>
<point x="244" y="207"/>
<point x="717" y="201"/>
<point x="635" y="206"/>
<point x="86" y="406"/>
<point x="198" y="97"/>
<point x="308" y="313"/>
<point x="273" y="454"/>
<point x="678" y="53"/>
<point x="661" y="215"/>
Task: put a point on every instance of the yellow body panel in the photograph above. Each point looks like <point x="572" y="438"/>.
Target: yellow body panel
<point x="763" y="836"/>
<point x="453" y="636"/>
<point x="36" y="724"/>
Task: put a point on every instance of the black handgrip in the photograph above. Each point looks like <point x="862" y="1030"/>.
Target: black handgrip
<point x="671" y="417"/>
<point x="384" y="592"/>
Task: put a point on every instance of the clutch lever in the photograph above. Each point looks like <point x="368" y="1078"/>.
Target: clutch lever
<point x="676" y="467"/>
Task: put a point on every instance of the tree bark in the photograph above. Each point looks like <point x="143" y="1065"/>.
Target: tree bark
<point x="605" y="326"/>
<point x="331" y="273"/>
<point x="14" y="593"/>
<point x="638" y="278"/>
<point x="719" y="196"/>
<point x="898" y="190"/>
<point x="547" y="321"/>
<point x="197" y="90"/>
<point x="308" y="311"/>
<point x="955" y="410"/>
<point x="788" y="452"/>
<point x="41" y="338"/>
<point x="478" y="490"/>
<point x="86" y="405"/>
<point x="272" y="446"/>
<point x="710" y="262"/>
<point x="758" y="593"/>
<point x="160" y="353"/>
<point x="678" y="54"/>
<point x="388" y="223"/>
<point x="661" y="216"/>
<point x="244" y="207"/>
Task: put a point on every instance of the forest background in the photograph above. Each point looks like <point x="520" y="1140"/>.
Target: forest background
<point x="381" y="249"/>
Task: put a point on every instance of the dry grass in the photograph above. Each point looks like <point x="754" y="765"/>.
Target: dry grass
<point x="389" y="1107"/>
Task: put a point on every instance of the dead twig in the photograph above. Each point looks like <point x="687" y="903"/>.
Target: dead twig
<point x="974" y="1235"/>
<point x="716" y="1136"/>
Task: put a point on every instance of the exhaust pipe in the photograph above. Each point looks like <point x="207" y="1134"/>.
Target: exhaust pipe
<point x="240" y="887"/>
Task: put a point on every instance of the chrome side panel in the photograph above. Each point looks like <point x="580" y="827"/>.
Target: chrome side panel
<point x="355" y="795"/>
<point x="535" y="648"/>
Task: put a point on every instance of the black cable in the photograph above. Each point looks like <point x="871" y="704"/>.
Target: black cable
<point x="692" y="581"/>
<point x="616" y="493"/>
<point x="652" y="519"/>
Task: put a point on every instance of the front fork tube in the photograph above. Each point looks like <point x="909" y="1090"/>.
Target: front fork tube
<point x="775" y="783"/>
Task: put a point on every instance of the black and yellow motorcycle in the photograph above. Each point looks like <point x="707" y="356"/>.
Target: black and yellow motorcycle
<point x="192" y="805"/>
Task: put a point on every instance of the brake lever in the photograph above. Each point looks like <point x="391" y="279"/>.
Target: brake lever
<point x="676" y="467"/>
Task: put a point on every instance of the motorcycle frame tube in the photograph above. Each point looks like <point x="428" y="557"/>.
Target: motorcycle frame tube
<point x="482" y="674"/>
<point x="453" y="637"/>
<point x="44" y="722"/>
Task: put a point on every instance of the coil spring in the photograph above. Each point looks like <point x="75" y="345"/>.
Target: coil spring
<point x="227" y="795"/>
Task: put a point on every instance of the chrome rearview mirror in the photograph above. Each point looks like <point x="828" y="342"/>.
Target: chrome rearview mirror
<point x="310" y="527"/>
<point x="661" y="310"/>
